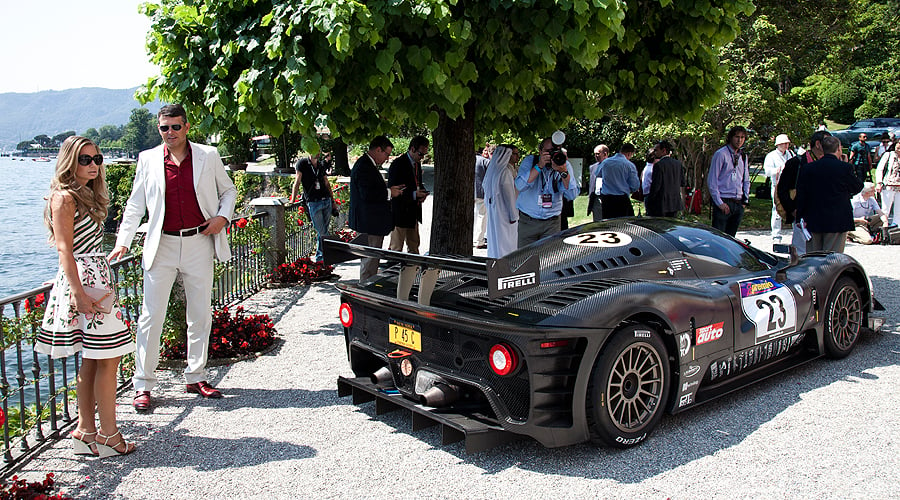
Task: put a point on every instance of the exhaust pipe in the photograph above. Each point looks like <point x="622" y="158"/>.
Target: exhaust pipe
<point x="440" y="394"/>
<point x="383" y="377"/>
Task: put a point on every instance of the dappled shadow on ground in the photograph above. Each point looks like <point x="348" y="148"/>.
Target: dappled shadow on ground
<point x="679" y="439"/>
<point x="178" y="449"/>
<point x="272" y="399"/>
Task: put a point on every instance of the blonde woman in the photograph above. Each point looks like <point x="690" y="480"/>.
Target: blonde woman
<point x="75" y="319"/>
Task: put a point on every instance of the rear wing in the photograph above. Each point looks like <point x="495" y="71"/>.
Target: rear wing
<point x="501" y="279"/>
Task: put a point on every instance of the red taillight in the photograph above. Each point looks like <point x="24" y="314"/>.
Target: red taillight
<point x="503" y="359"/>
<point x="554" y="343"/>
<point x="346" y="315"/>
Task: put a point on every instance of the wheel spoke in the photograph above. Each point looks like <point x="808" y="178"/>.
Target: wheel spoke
<point x="632" y="403"/>
<point x="845" y="319"/>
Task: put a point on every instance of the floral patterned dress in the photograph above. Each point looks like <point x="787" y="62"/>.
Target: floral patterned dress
<point x="64" y="331"/>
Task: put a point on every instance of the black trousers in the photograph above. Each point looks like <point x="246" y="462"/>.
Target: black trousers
<point x="616" y="205"/>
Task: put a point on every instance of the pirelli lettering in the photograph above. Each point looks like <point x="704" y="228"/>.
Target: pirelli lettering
<point x="516" y="281"/>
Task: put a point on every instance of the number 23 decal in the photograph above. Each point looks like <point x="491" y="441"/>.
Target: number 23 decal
<point x="770" y="306"/>
<point x="600" y="239"/>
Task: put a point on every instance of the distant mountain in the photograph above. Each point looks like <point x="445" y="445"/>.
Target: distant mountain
<point x="23" y="116"/>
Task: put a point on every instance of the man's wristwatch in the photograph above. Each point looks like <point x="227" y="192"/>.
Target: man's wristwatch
<point x="564" y="175"/>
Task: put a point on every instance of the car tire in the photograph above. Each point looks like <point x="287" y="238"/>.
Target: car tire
<point x="843" y="318"/>
<point x="629" y="387"/>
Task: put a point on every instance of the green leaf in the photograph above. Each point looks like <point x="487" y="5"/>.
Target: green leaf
<point x="384" y="61"/>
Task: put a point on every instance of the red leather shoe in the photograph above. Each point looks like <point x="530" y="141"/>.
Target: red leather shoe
<point x="142" y="401"/>
<point x="204" y="389"/>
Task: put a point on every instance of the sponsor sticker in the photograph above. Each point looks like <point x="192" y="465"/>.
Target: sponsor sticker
<point x="516" y="281"/>
<point x="643" y="334"/>
<point x="686" y="400"/>
<point x="691" y="371"/>
<point x="684" y="344"/>
<point x="689" y="385"/>
<point x="749" y="358"/>
<point x="770" y="306"/>
<point x="709" y="333"/>
<point x="599" y="239"/>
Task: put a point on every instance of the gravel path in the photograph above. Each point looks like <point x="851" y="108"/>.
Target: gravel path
<point x="829" y="429"/>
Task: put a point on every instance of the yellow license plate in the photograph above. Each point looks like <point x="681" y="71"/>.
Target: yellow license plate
<point x="405" y="334"/>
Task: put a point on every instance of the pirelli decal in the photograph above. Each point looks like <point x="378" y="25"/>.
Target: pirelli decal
<point x="504" y="281"/>
<point x="516" y="281"/>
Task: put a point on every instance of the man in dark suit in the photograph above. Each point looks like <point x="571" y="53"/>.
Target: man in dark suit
<point x="824" y="189"/>
<point x="406" y="170"/>
<point x="666" y="196"/>
<point x="786" y="190"/>
<point x="370" y="205"/>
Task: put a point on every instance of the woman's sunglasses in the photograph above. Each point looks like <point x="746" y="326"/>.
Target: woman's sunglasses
<point x="85" y="160"/>
<point x="165" y="128"/>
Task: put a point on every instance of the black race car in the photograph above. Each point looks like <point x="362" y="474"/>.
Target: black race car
<point x="591" y="334"/>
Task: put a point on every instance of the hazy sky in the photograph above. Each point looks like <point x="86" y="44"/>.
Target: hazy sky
<point x="64" y="44"/>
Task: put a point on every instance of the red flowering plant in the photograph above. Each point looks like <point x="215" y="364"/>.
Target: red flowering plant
<point x="341" y="194"/>
<point x="296" y="222"/>
<point x="303" y="270"/>
<point x="249" y="233"/>
<point x="346" y="234"/>
<point x="232" y="335"/>
<point x="15" y="329"/>
<point x="20" y="488"/>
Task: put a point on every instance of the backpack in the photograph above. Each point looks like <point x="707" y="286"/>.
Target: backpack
<point x="782" y="212"/>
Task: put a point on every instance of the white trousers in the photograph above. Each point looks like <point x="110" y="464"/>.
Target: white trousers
<point x="480" y="221"/>
<point x="888" y="196"/>
<point x="192" y="256"/>
<point x="776" y="219"/>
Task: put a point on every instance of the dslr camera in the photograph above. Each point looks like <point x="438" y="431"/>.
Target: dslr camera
<point x="557" y="156"/>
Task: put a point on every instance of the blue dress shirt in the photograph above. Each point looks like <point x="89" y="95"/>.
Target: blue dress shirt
<point x="549" y="182"/>
<point x="619" y="176"/>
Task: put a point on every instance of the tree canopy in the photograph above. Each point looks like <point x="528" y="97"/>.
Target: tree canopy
<point x="369" y="67"/>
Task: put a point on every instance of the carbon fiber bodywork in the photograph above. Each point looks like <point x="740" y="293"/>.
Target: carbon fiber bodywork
<point x="728" y="315"/>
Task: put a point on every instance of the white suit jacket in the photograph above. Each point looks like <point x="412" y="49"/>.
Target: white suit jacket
<point x="216" y="195"/>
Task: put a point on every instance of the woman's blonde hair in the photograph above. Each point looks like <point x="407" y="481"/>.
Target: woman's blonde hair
<point x="92" y="198"/>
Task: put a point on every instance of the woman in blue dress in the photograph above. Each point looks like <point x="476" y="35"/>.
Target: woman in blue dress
<point x="74" y="320"/>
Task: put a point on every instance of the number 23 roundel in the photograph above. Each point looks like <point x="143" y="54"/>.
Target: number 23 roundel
<point x="770" y="306"/>
<point x="600" y="239"/>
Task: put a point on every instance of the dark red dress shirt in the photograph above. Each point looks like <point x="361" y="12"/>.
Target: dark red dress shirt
<point x="182" y="209"/>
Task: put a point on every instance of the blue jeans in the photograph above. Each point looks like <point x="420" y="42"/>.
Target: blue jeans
<point x="320" y="215"/>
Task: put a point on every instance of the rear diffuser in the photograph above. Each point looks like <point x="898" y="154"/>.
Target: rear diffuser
<point x="478" y="435"/>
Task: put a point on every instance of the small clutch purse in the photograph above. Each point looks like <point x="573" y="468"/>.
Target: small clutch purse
<point x="102" y="298"/>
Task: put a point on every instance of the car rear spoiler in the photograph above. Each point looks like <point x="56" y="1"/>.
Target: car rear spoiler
<point x="501" y="279"/>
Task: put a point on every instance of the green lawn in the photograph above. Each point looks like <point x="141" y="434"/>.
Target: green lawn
<point x="757" y="215"/>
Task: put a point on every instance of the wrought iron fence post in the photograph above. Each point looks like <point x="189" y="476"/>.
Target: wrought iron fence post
<point x="274" y="208"/>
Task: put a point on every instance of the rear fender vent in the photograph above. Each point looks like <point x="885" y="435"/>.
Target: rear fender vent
<point x="593" y="267"/>
<point x="571" y="294"/>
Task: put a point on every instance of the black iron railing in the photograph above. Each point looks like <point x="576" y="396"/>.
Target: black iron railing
<point x="38" y="392"/>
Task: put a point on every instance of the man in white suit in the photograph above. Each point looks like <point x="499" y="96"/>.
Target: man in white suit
<point x="189" y="199"/>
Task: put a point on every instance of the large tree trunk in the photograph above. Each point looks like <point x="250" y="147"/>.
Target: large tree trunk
<point x="454" y="188"/>
<point x="339" y="156"/>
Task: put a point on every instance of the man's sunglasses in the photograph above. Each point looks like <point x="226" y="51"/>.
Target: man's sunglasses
<point x="165" y="128"/>
<point x="85" y="160"/>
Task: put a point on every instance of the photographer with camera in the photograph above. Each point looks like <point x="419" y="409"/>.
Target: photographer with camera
<point x="620" y="179"/>
<point x="543" y="180"/>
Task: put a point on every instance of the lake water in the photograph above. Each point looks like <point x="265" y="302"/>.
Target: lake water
<point x="26" y="260"/>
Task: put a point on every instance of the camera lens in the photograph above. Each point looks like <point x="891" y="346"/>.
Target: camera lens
<point x="558" y="158"/>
